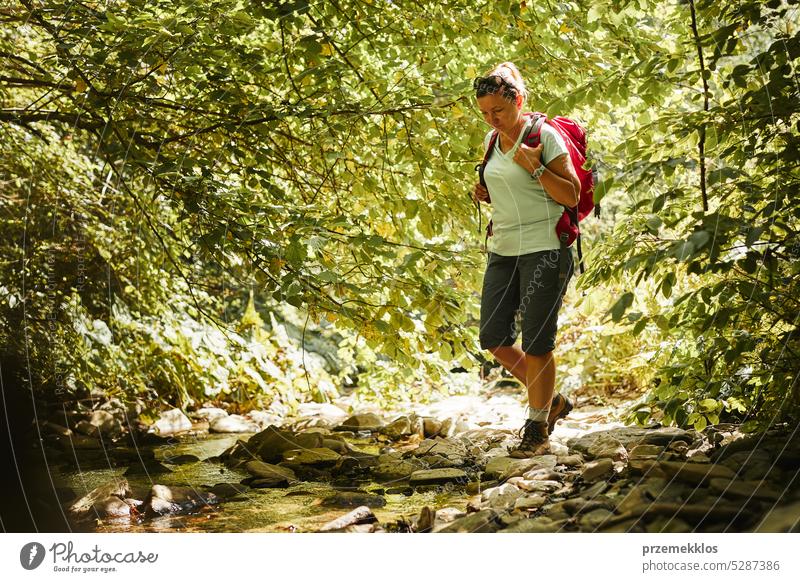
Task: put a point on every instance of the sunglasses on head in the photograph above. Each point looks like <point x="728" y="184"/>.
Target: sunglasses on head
<point x="493" y="84"/>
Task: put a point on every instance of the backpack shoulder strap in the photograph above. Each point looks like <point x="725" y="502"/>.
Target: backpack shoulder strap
<point x="534" y="135"/>
<point x="482" y="166"/>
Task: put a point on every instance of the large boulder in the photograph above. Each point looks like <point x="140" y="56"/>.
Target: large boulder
<point x="171" y="422"/>
<point x="272" y="442"/>
<point x="233" y="423"/>
<point x="365" y="421"/>
<point x="261" y="470"/>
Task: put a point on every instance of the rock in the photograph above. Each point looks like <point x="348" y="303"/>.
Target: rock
<point x="431" y="427"/>
<point x="261" y="470"/>
<point x="695" y="473"/>
<point x="647" y="468"/>
<point x="501" y="497"/>
<point x="182" y="459"/>
<point x="397" y="470"/>
<point x="780" y="519"/>
<point x="542" y="475"/>
<point x="535" y="486"/>
<point x="425" y="520"/>
<point x="474" y="487"/>
<point x="272" y="442"/>
<point x="595" y="490"/>
<point x="596" y="470"/>
<point x="630" y="436"/>
<point x="668" y="525"/>
<point x="327" y="415"/>
<point x="227" y="489"/>
<point x="366" y="421"/>
<point x="163" y="500"/>
<point x="99" y="422"/>
<point x="575" y="460"/>
<point x="79" y="442"/>
<point x="114" y="488"/>
<point x="505" y="467"/>
<point x="360" y="515"/>
<point x="438" y="476"/>
<point x="233" y="423"/>
<point x="171" y="422"/>
<point x="749" y="489"/>
<point x="263" y="419"/>
<point x="336" y="445"/>
<point x="317" y="456"/>
<point x="483" y="521"/>
<point x="398" y="429"/>
<point x="354" y="499"/>
<point x="645" y="452"/>
<point x="595" y="519"/>
<point x="535" y="525"/>
<point x="451" y="450"/>
<point x="111" y="507"/>
<point x="531" y="502"/>
<point x="208" y="414"/>
<point x="149" y="467"/>
<point x="607" y="447"/>
<point x="445" y="516"/>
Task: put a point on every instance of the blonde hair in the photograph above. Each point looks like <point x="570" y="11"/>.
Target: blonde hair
<point x="510" y="73"/>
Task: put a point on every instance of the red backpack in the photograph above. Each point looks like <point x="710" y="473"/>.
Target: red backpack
<point x="575" y="139"/>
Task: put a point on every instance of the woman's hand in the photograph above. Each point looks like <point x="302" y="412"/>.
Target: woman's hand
<point x="480" y="193"/>
<point x="528" y="157"/>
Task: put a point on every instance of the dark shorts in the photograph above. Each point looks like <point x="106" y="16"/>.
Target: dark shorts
<point x="529" y="287"/>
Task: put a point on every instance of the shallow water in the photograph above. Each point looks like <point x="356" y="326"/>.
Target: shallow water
<point x="294" y="509"/>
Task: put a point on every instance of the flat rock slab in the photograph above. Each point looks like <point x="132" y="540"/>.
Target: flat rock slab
<point x="631" y="436"/>
<point x="316" y="456"/>
<point x="262" y="470"/>
<point x="446" y="448"/>
<point x="505" y="467"/>
<point x="366" y="421"/>
<point x="695" y="473"/>
<point x="396" y="470"/>
<point x="437" y="476"/>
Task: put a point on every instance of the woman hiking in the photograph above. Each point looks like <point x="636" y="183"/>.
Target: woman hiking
<point x="527" y="269"/>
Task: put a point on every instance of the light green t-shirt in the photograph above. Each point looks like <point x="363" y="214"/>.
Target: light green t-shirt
<point x="524" y="216"/>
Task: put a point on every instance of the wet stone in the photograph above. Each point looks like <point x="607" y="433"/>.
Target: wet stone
<point x="316" y="456"/>
<point x="438" y="476"/>
<point x="354" y="499"/>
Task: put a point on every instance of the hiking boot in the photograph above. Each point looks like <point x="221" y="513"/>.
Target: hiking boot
<point x="559" y="408"/>
<point x="534" y="440"/>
